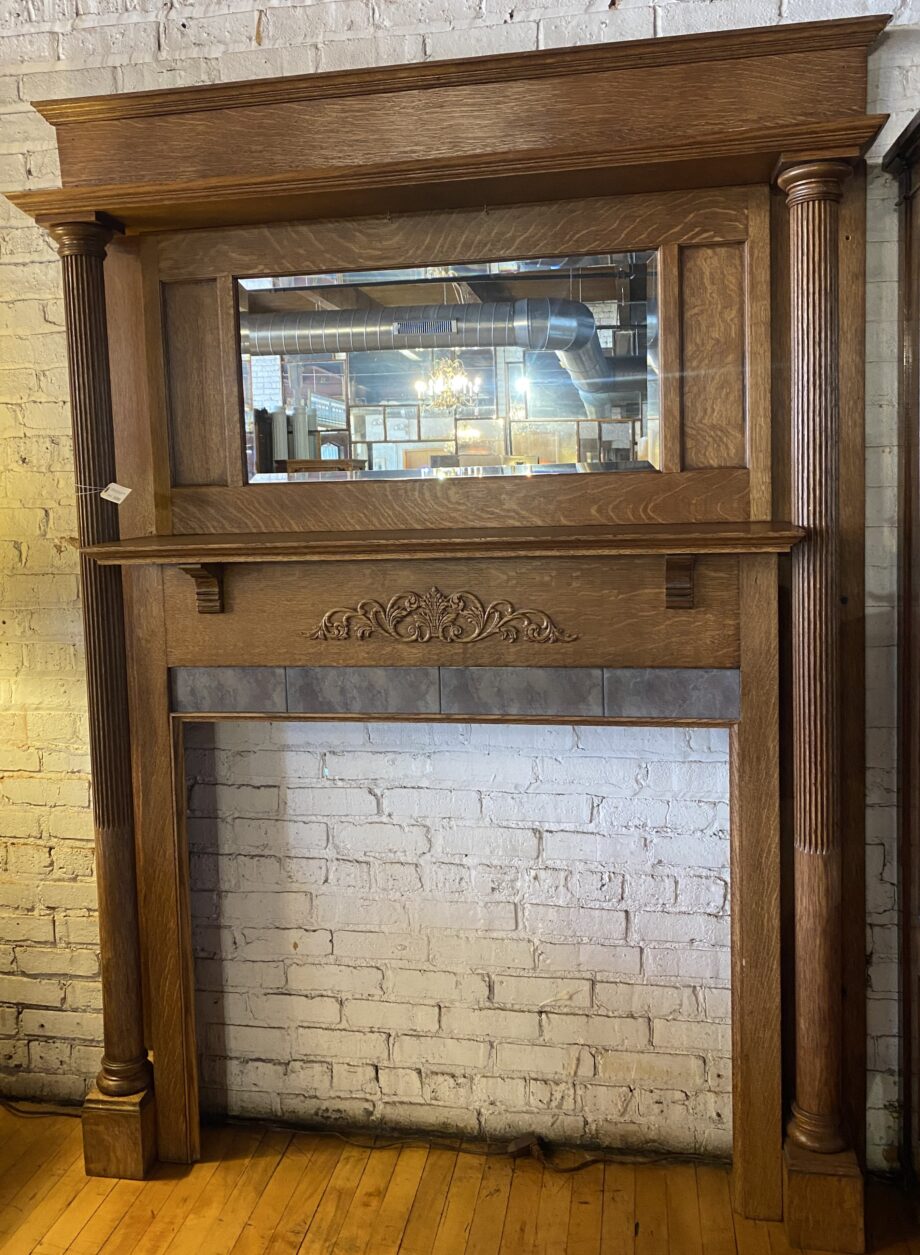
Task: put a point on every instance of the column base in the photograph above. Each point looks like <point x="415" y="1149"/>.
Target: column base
<point x="824" y="1200"/>
<point x="119" y="1135"/>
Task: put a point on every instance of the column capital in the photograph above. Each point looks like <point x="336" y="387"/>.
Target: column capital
<point x="813" y="180"/>
<point x="83" y="235"/>
<point x="80" y="239"/>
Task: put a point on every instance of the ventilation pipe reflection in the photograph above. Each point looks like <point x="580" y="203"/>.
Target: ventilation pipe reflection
<point x="566" y="328"/>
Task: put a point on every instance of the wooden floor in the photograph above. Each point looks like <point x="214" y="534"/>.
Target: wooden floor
<point x="263" y="1190"/>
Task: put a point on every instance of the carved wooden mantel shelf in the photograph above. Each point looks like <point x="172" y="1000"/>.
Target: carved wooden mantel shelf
<point x="752" y="200"/>
<point x="599" y="542"/>
<point x="205" y="558"/>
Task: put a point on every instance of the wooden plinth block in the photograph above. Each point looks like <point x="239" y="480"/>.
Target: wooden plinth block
<point x="119" y="1135"/>
<point x="824" y="1201"/>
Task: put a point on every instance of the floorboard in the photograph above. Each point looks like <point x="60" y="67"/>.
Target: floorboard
<point x="265" y="1191"/>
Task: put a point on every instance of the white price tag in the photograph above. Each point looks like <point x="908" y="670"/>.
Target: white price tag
<point x="114" y="492"/>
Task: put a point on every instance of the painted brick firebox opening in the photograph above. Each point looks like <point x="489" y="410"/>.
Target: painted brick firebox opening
<point x="487" y="929"/>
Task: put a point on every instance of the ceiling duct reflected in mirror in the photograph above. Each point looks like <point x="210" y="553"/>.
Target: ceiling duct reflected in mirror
<point x="520" y="367"/>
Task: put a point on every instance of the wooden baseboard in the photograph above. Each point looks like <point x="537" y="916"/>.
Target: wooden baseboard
<point x="824" y="1201"/>
<point x="119" y="1135"/>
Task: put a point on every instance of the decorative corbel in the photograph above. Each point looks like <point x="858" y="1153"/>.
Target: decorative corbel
<point x="209" y="586"/>
<point x="678" y="581"/>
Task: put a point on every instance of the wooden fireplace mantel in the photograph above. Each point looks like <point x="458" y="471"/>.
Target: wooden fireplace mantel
<point x="737" y="157"/>
<point x="517" y="542"/>
<point x="204" y="558"/>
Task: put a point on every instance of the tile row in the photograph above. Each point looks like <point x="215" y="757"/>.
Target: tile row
<point x="526" y="692"/>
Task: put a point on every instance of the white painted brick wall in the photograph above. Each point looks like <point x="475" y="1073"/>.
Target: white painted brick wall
<point x="57" y="48"/>
<point x="522" y="951"/>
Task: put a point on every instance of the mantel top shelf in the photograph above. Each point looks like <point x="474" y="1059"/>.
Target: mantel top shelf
<point x="758" y="41"/>
<point x="601" y="541"/>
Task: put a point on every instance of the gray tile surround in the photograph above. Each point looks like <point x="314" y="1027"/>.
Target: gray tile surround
<point x="245" y="690"/>
<point x="370" y="690"/>
<point x="550" y="692"/>
<point x="672" y="693"/>
<point x="558" y="691"/>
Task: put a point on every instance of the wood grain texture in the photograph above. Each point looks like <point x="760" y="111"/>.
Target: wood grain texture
<point x="762" y="41"/>
<point x="780" y="356"/>
<point x="585" y="226"/>
<point x="119" y="1134"/>
<point x="449" y="121"/>
<point x="197" y="427"/>
<point x="614" y="607"/>
<point x="140" y="513"/>
<point x="489" y="178"/>
<point x="208" y="581"/>
<point x="813" y="192"/>
<point x="825" y="1200"/>
<point x="125" y="1067"/>
<point x="231" y="381"/>
<point x="622" y="497"/>
<point x="758" y="391"/>
<point x="466" y="235"/>
<point x="755" y="883"/>
<point x="163" y="871"/>
<point x="268" y="1189"/>
<point x="678" y="581"/>
<point x="154" y="427"/>
<point x="712" y="324"/>
<point x="470" y="542"/>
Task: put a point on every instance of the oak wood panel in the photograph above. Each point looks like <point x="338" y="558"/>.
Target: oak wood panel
<point x="140" y="513"/>
<point x="157" y="389"/>
<point x="449" y="121"/>
<point x="712" y="324"/>
<point x="853" y="643"/>
<point x="615" y="607"/>
<point x="758" y="393"/>
<point x="461" y="235"/>
<point x="755" y="882"/>
<point x="231" y="390"/>
<point x="197" y="425"/>
<point x="780" y="349"/>
<point x="162" y="872"/>
<point x="390" y="505"/>
<point x="648" y="538"/>
<point x="740" y="157"/>
<point x="708" y="46"/>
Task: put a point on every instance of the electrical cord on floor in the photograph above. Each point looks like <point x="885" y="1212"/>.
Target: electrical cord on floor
<point x="530" y="1145"/>
<point x="24" y="1112"/>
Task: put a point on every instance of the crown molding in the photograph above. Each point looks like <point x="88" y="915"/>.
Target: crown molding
<point x="766" y="41"/>
<point x="722" y="159"/>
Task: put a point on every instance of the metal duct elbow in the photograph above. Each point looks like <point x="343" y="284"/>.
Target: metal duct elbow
<point x="566" y="328"/>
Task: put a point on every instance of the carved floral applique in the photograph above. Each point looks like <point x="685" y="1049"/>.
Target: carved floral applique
<point x="435" y="616"/>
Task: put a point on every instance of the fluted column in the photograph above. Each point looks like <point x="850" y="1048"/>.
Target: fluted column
<point x="813" y="192"/>
<point x="125" y="1067"/>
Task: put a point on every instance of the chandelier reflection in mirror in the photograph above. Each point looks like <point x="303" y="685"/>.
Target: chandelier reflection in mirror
<point x="448" y="386"/>
<point x="541" y="366"/>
